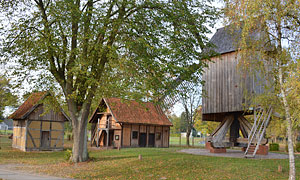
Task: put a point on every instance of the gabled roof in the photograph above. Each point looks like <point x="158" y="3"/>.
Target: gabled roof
<point x="134" y="112"/>
<point x="30" y="105"/>
<point x="225" y="40"/>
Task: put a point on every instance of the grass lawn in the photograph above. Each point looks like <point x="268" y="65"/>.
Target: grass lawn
<point x="157" y="163"/>
<point x="199" y="142"/>
<point x="6" y="131"/>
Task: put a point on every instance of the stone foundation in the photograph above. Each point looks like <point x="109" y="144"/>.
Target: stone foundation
<point x="213" y="149"/>
<point x="262" y="150"/>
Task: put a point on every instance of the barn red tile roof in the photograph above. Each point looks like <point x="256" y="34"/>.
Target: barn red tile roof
<point x="129" y="111"/>
<point x="33" y="99"/>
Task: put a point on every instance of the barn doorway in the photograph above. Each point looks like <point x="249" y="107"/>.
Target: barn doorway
<point x="103" y="138"/>
<point x="151" y="139"/>
<point x="111" y="138"/>
<point x="143" y="140"/>
<point x="45" y="144"/>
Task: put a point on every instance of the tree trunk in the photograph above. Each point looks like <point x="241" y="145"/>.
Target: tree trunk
<point x="80" y="153"/>
<point x="292" y="173"/>
<point x="79" y="118"/>
<point x="188" y="133"/>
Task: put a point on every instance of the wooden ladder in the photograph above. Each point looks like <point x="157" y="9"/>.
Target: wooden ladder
<point x="261" y="121"/>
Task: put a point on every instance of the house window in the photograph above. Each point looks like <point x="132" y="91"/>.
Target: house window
<point x="158" y="136"/>
<point x="134" y="134"/>
<point x="116" y="137"/>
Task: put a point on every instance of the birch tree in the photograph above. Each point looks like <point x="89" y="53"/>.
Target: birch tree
<point x="279" y="22"/>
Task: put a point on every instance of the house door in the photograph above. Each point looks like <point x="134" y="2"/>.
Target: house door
<point x="45" y="140"/>
<point x="143" y="140"/>
<point x="151" y="140"/>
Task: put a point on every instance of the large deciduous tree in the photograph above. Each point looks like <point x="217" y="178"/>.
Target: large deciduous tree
<point x="91" y="48"/>
<point x="279" y="24"/>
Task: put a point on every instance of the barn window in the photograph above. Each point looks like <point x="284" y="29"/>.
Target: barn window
<point x="116" y="137"/>
<point x="158" y="136"/>
<point x="134" y="134"/>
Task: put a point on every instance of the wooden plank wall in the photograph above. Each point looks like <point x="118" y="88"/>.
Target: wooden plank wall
<point x="225" y="85"/>
<point x="38" y="114"/>
<point x="126" y="135"/>
<point x="19" y="131"/>
<point x="162" y="135"/>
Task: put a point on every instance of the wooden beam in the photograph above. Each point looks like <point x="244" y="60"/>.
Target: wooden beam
<point x="130" y="133"/>
<point x="218" y="128"/>
<point x="50" y="128"/>
<point x="31" y="139"/>
<point x="121" y="144"/>
<point x="220" y="135"/>
<point x="41" y="133"/>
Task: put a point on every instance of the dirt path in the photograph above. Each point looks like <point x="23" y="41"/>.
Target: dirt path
<point x="233" y="153"/>
<point x="7" y="171"/>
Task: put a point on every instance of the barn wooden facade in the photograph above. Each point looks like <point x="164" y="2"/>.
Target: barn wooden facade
<point x="117" y="123"/>
<point x="36" y="127"/>
<point x="227" y="96"/>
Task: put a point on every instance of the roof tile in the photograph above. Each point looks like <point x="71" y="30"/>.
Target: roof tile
<point x="131" y="111"/>
<point x="33" y="99"/>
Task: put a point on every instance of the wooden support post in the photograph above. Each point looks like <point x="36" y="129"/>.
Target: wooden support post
<point x="279" y="168"/>
<point x="234" y="129"/>
<point x="107" y="137"/>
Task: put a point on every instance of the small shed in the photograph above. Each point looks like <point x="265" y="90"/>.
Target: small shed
<point x="37" y="126"/>
<point x="128" y="123"/>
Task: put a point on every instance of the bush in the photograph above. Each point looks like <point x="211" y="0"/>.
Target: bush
<point x="274" y="147"/>
<point x="68" y="154"/>
<point x="297" y="148"/>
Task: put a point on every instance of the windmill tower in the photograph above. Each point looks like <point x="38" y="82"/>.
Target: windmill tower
<point x="225" y="99"/>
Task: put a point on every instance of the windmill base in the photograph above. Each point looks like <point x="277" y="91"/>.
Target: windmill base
<point x="262" y="150"/>
<point x="213" y="149"/>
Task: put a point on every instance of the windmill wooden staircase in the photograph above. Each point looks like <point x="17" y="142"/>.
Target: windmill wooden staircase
<point x="261" y="121"/>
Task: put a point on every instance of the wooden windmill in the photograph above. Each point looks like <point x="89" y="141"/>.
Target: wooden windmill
<point x="225" y="100"/>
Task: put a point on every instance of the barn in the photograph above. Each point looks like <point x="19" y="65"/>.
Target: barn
<point x="37" y="126"/>
<point x="227" y="98"/>
<point x="128" y="123"/>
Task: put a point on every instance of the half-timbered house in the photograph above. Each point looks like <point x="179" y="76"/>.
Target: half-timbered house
<point x="127" y="123"/>
<point x="37" y="126"/>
